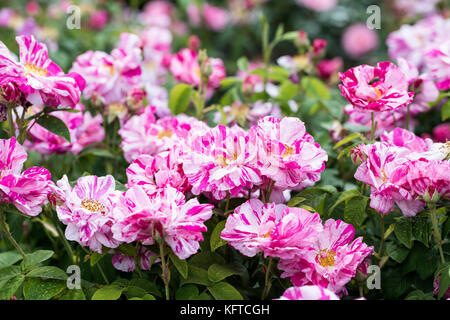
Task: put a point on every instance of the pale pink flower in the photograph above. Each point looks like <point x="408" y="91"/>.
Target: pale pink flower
<point x="109" y="77"/>
<point x="438" y="63"/>
<point x="359" y="40"/>
<point x="157" y="13"/>
<point x="40" y="80"/>
<point x="12" y="157"/>
<point x="379" y="88"/>
<point x="216" y="18"/>
<point x="331" y="261"/>
<point x="310" y="292"/>
<point x="318" y="5"/>
<point x="87" y="210"/>
<point x="219" y="162"/>
<point x="126" y="263"/>
<point x="287" y="154"/>
<point x="168" y="215"/>
<point x="275" y="229"/>
<point x="403" y="138"/>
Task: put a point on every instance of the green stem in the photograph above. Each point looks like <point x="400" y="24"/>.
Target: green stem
<point x="269" y="190"/>
<point x="372" y="131"/>
<point x="165" y="273"/>
<point x="102" y="272"/>
<point x="380" y="250"/>
<point x="12" y="128"/>
<point x="266" y="290"/>
<point x="227" y="204"/>
<point x="5" y="228"/>
<point x="408" y="117"/>
<point x="436" y="233"/>
<point x="61" y="234"/>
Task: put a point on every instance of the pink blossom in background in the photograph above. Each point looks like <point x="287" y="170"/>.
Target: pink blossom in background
<point x="185" y="68"/>
<point x="318" y="5"/>
<point x="328" y="67"/>
<point x="157" y="13"/>
<point x="275" y="229"/>
<point x="416" y="7"/>
<point x="319" y="46"/>
<point x="380" y="88"/>
<point x="37" y="77"/>
<point x="87" y="210"/>
<point x="219" y="162"/>
<point x="438" y="63"/>
<point x="359" y="40"/>
<point x="441" y="133"/>
<point x="194" y="14"/>
<point x="331" y="261"/>
<point x="109" y="77"/>
<point x="216" y="18"/>
<point x="308" y="293"/>
<point x="27" y="190"/>
<point x="181" y="221"/>
<point x="287" y="154"/>
<point x="98" y="19"/>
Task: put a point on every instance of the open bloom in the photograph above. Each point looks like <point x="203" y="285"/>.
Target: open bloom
<point x="331" y="262"/>
<point x="438" y="62"/>
<point x="219" y="162"/>
<point x="308" y="293"/>
<point x="87" y="210"/>
<point x="180" y="223"/>
<point x="429" y="179"/>
<point x="379" y="88"/>
<point x="275" y="229"/>
<point x="287" y="154"/>
<point x="40" y="79"/>
<point x="26" y="190"/>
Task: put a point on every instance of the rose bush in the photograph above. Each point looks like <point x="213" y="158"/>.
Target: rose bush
<point x="169" y="155"/>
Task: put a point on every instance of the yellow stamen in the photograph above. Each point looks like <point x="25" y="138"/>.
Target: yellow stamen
<point x="164" y="133"/>
<point x="93" y="205"/>
<point x="33" y="69"/>
<point x="326" y="257"/>
<point x="288" y="151"/>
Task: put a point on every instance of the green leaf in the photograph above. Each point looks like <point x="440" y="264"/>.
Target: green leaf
<point x="38" y="289"/>
<point x="295" y="201"/>
<point x="180" y="265"/>
<point x="34" y="258"/>
<point x="288" y="90"/>
<point x="73" y="295"/>
<point x="421" y="229"/>
<point x="54" y="125"/>
<point x="403" y="232"/>
<point x="101" y="153"/>
<point x="110" y="292"/>
<point x="180" y="97"/>
<point x="10" y="287"/>
<point x="9" y="258"/>
<point x="9" y="272"/>
<point x="344" y="196"/>
<point x="48" y="272"/>
<point x="242" y="63"/>
<point x="445" y="112"/>
<point x="419" y="295"/>
<point x="134" y="292"/>
<point x="224" y="291"/>
<point x="218" y="272"/>
<point x="396" y="252"/>
<point x="197" y="275"/>
<point x="347" y="139"/>
<point x="147" y="286"/>
<point x="315" y="88"/>
<point x="187" y="292"/>
<point x="229" y="81"/>
<point x="216" y="241"/>
<point x="95" y="257"/>
<point x="355" y="209"/>
<point x="444" y="280"/>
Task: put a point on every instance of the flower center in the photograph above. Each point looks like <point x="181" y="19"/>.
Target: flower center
<point x="288" y="151"/>
<point x="93" y="205"/>
<point x="33" y="69"/>
<point x="164" y="133"/>
<point x="326" y="257"/>
<point x="224" y="160"/>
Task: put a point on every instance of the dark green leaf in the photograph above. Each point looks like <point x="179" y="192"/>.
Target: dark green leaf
<point x="10" y="287"/>
<point x="224" y="291"/>
<point x="9" y="258"/>
<point x="110" y="292"/>
<point x="180" y="97"/>
<point x="54" y="125"/>
<point x="396" y="252"/>
<point x="38" y="289"/>
<point x="403" y="232"/>
<point x="9" y="272"/>
<point x="186" y="292"/>
<point x="218" y="272"/>
<point x="197" y="275"/>
<point x="216" y="241"/>
<point x="34" y="258"/>
<point x="48" y="272"/>
<point x="355" y="209"/>
<point x="180" y="265"/>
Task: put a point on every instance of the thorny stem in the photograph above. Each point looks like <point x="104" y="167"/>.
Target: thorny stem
<point x="380" y="250"/>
